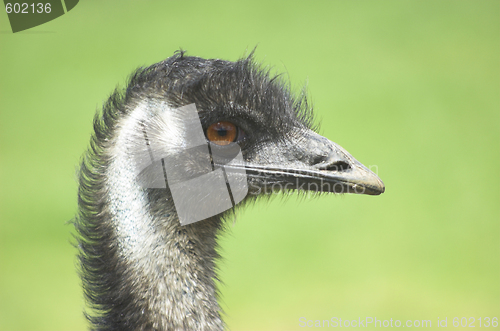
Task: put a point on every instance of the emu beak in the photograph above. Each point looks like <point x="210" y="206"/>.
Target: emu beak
<point x="351" y="175"/>
<point x="311" y="162"/>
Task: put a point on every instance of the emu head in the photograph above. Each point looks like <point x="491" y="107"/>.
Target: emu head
<point x="199" y="116"/>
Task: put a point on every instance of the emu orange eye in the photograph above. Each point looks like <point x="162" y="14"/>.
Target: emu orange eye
<point x="222" y="133"/>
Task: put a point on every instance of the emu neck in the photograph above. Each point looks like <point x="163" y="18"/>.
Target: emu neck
<point x="167" y="279"/>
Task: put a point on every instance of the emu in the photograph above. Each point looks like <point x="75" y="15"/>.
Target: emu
<point x="141" y="268"/>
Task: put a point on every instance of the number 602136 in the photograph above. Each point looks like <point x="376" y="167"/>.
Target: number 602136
<point x="470" y="322"/>
<point x="24" y="8"/>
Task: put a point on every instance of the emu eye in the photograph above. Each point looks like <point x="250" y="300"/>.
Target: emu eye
<point x="223" y="133"/>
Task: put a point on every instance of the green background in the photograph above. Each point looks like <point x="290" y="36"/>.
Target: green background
<point x="410" y="87"/>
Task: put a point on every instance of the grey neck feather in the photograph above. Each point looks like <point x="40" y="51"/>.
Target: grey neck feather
<point x="169" y="268"/>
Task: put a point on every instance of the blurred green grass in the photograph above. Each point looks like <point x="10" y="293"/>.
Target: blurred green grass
<point x="411" y="87"/>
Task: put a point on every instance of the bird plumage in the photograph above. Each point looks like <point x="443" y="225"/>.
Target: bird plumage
<point x="141" y="269"/>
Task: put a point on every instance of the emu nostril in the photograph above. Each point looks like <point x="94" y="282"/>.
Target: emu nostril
<point x="337" y="166"/>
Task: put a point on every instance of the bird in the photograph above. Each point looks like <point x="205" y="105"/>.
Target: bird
<point x="142" y="265"/>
